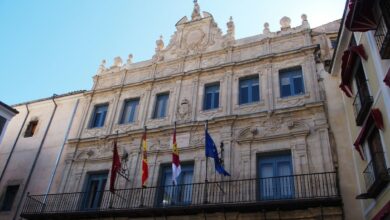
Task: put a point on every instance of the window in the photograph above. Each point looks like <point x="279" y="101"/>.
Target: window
<point x="94" y="190"/>
<point x="181" y="194"/>
<point x="211" y="96"/>
<point x="275" y="177"/>
<point x="31" y="128"/>
<point x="249" y="90"/>
<point x="161" y="105"/>
<point x="2" y="123"/>
<point x="363" y="100"/>
<point x="9" y="197"/>
<point x="333" y="42"/>
<point x="375" y="174"/>
<point x="291" y="82"/>
<point x="99" y="116"/>
<point x="382" y="33"/>
<point x="129" y="111"/>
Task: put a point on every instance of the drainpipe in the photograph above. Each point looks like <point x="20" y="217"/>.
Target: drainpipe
<point x="62" y="149"/>
<point x="36" y="159"/>
<point x="14" y="145"/>
<point x="79" y="132"/>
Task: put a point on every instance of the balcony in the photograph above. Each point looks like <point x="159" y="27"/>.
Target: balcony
<point x="382" y="34"/>
<point x="362" y="105"/>
<point x="282" y="193"/>
<point x="376" y="177"/>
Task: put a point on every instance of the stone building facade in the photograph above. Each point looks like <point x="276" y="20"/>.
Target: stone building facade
<point x="262" y="97"/>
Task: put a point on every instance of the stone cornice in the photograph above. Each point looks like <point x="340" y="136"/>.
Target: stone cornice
<point x="265" y="58"/>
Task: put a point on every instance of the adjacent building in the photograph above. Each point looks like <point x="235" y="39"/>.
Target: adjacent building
<point x="31" y="150"/>
<point x="263" y="98"/>
<point x="361" y="106"/>
<point x="6" y="113"/>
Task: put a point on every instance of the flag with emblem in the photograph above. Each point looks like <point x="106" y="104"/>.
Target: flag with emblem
<point x="145" y="172"/>
<point x="176" y="169"/>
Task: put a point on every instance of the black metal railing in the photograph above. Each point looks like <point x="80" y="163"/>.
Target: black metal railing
<point x="249" y="191"/>
<point x="382" y="34"/>
<point x="361" y="104"/>
<point x="376" y="175"/>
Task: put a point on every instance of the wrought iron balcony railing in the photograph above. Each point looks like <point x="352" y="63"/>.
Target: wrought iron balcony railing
<point x="382" y="33"/>
<point x="297" y="191"/>
<point x="376" y="176"/>
<point x="362" y="106"/>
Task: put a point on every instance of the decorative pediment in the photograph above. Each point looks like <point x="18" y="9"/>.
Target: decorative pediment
<point x="273" y="128"/>
<point x="200" y="34"/>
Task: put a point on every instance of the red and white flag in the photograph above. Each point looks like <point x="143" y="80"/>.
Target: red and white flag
<point x="176" y="169"/>
<point x="145" y="168"/>
<point x="116" y="166"/>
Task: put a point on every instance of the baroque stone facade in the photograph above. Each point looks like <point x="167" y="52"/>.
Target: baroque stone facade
<point x="198" y="55"/>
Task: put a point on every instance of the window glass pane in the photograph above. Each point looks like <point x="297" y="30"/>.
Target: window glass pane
<point x="244" y="95"/>
<point x="255" y="93"/>
<point x="94" y="190"/>
<point x="161" y="105"/>
<point x="99" y="116"/>
<point x="377" y="153"/>
<point x="276" y="180"/>
<point x="216" y="100"/>
<point x="208" y="101"/>
<point x="298" y="85"/>
<point x="291" y="82"/>
<point x="180" y="194"/>
<point x="9" y="197"/>
<point x="286" y="91"/>
<point x="2" y="123"/>
<point x="285" y="81"/>
<point x="211" y="98"/>
<point x="129" y="111"/>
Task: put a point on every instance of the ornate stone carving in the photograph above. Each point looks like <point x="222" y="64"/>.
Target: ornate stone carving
<point x="184" y="110"/>
<point x="305" y="22"/>
<point x="285" y="23"/>
<point x="230" y="27"/>
<point x="130" y="59"/>
<point x="272" y="125"/>
<point x="266" y="28"/>
<point x="117" y="62"/>
<point x="159" y="47"/>
<point x="196" y="12"/>
<point x="102" y="67"/>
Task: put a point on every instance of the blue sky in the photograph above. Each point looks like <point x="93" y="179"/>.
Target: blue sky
<point x="49" y="47"/>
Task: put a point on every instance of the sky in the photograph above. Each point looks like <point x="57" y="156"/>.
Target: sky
<point x="53" y="47"/>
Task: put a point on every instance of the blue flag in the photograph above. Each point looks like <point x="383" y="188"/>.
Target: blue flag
<point x="211" y="151"/>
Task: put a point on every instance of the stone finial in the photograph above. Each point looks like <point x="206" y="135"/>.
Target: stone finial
<point x="102" y="66"/>
<point x="230" y="26"/>
<point x="159" y="44"/>
<point x="266" y="28"/>
<point x="130" y="59"/>
<point x="196" y="12"/>
<point x="285" y="23"/>
<point x="117" y="62"/>
<point x="305" y="22"/>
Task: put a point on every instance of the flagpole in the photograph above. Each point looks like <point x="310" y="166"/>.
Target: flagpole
<point x="174" y="132"/>
<point x="206" y="180"/>
<point x="206" y="127"/>
<point x="142" y="186"/>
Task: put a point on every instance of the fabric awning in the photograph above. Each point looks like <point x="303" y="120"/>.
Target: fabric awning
<point x="375" y="118"/>
<point x="387" y="78"/>
<point x="347" y="63"/>
<point x="361" y="16"/>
